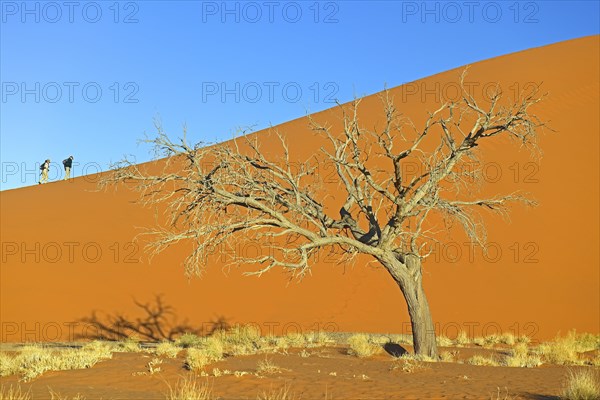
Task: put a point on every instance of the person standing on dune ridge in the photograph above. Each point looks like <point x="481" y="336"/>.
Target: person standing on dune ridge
<point x="68" y="162"/>
<point x="44" y="174"/>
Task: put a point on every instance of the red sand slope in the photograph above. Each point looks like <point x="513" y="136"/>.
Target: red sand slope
<point x="545" y="280"/>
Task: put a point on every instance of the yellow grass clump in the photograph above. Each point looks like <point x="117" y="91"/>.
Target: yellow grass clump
<point x="130" y="345"/>
<point x="167" y="349"/>
<point x="190" y="389"/>
<point x="582" y="385"/>
<point x="483" y="361"/>
<point x="267" y="367"/>
<point x="443" y="341"/>
<point x="13" y="393"/>
<point x="58" y="396"/>
<point x="317" y="338"/>
<point x="520" y="357"/>
<point x="361" y="346"/>
<point x="283" y="393"/>
<point x="566" y="350"/>
<point x="295" y="339"/>
<point x="33" y="360"/>
<point x="462" y="338"/>
<point x="240" y="339"/>
<point x="408" y="364"/>
<point x="188" y="340"/>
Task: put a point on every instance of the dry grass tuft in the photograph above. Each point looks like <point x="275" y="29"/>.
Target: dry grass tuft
<point x="443" y="341"/>
<point x="13" y="393"/>
<point x="523" y="339"/>
<point x="196" y="359"/>
<point x="267" y="367"/>
<point x="492" y="340"/>
<point x="582" y="385"/>
<point x="448" y="356"/>
<point x="188" y="340"/>
<point x="361" y="346"/>
<point x="408" y="364"/>
<point x="130" y="345"/>
<point x="483" y="361"/>
<point x="401" y="339"/>
<point x="508" y="338"/>
<point x="317" y="338"/>
<point x="502" y="395"/>
<point x="58" y="396"/>
<point x="462" y="339"/>
<point x="282" y="393"/>
<point x="295" y="339"/>
<point x="167" y="349"/>
<point x="190" y="389"/>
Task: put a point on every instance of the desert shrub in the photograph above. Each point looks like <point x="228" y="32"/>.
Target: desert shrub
<point x="482" y="361"/>
<point x="479" y="341"/>
<point x="361" y="346"/>
<point x="190" y="389"/>
<point x="581" y="385"/>
<point x="167" y="349"/>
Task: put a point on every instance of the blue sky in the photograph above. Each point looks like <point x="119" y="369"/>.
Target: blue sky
<point x="89" y="78"/>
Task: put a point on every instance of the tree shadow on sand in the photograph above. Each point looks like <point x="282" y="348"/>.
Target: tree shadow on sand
<point x="533" y="396"/>
<point x="158" y="321"/>
<point x="394" y="349"/>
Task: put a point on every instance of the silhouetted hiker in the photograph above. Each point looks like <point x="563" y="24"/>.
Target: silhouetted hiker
<point x="44" y="174"/>
<point x="67" y="163"/>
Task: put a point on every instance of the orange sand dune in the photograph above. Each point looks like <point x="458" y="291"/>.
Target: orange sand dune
<point x="71" y="254"/>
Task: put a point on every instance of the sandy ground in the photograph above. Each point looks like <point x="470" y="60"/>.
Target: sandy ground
<point x="316" y="373"/>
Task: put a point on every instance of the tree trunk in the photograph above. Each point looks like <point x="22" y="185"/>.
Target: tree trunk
<point x="407" y="274"/>
<point x="420" y="319"/>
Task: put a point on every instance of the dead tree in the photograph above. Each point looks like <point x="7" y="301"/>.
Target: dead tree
<point x="220" y="195"/>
